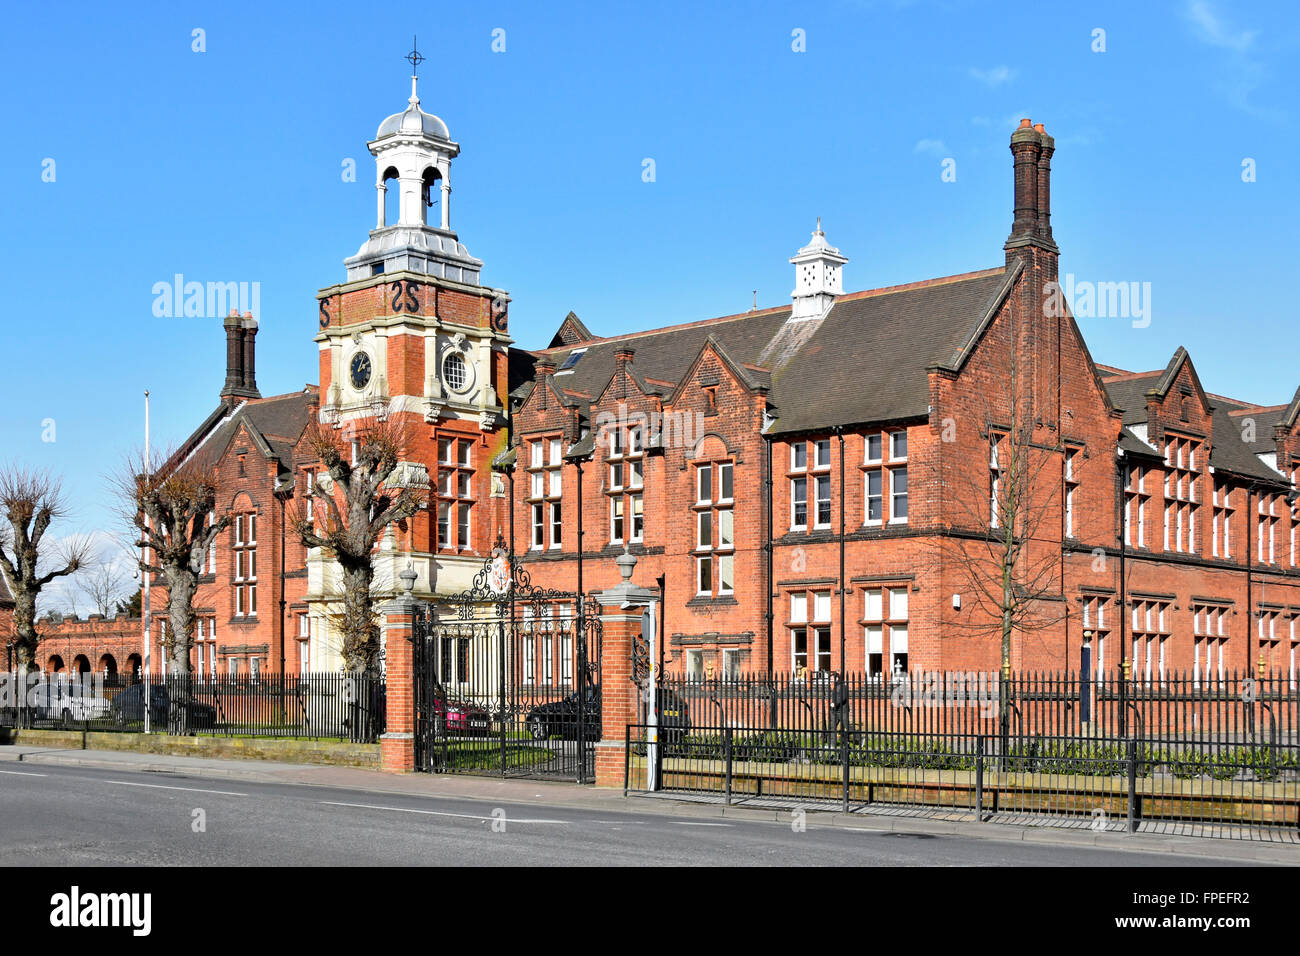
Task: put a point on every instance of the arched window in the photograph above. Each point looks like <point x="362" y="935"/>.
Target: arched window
<point x="245" y="564"/>
<point x="392" y="197"/>
<point x="430" y="194"/>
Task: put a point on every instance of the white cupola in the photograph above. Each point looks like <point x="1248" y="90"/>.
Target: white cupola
<point x="818" y="277"/>
<point x="413" y="151"/>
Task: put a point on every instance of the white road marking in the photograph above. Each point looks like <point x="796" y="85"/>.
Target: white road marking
<point x="19" y="773"/>
<point x="159" y="786"/>
<point x="435" y="813"/>
<point x="682" y="824"/>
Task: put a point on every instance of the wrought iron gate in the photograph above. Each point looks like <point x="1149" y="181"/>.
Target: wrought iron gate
<point x="507" y="678"/>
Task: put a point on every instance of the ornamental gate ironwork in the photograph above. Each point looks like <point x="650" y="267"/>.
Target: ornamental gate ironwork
<point x="507" y="678"/>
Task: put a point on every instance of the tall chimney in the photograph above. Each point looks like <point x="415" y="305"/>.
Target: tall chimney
<point x="1043" y="227"/>
<point x="234" y="356"/>
<point x="1026" y="147"/>
<point x="250" y="356"/>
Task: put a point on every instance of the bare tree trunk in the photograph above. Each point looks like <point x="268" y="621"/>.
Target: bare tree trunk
<point x="181" y="586"/>
<point x="26" y="640"/>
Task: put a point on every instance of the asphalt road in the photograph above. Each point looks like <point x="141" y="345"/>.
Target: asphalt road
<point x="65" y="816"/>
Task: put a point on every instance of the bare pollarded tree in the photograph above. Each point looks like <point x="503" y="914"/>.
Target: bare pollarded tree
<point x="31" y="500"/>
<point x="172" y="506"/>
<point x="350" y="512"/>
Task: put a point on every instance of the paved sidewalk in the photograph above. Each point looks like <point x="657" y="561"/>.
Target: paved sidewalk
<point x="561" y="794"/>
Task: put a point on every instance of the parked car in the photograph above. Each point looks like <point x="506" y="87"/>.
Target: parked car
<point x="128" y="707"/>
<point x="560" y="718"/>
<point x="66" y="703"/>
<point x="461" y="717"/>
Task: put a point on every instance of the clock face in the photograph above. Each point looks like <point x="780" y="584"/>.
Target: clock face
<point x="360" y="370"/>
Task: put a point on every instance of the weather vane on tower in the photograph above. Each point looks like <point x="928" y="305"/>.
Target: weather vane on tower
<point x="414" y="56"/>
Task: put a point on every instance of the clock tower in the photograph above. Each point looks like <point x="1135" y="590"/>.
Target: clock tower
<point x="414" y="335"/>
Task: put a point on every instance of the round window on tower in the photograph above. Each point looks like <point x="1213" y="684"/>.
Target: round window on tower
<point x="455" y="372"/>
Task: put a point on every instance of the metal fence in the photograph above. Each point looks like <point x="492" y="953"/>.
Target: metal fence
<point x="317" y="706"/>
<point x="1232" y="707"/>
<point x="1181" y="755"/>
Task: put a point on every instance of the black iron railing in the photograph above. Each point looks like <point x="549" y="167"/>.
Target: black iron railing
<point x="1182" y="754"/>
<point x="340" y="706"/>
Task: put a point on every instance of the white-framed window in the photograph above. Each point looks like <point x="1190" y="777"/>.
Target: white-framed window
<point x="884" y="623"/>
<point x="715" y="532"/>
<point x="996" y="479"/>
<point x="616" y="519"/>
<point x="309" y="491"/>
<point x="1267" y="537"/>
<point x="810" y="631"/>
<point x="454" y="492"/>
<point x="245" y="564"/>
<point x="626" y="480"/>
<point x="537" y="511"/>
<point x="1150" y="633"/>
<point x="1209" y="634"/>
<point x="695" y="665"/>
<point x="730" y="663"/>
<point x="1072" y="458"/>
<point x="798" y="479"/>
<point x="1223" y="508"/>
<point x="1181" y="494"/>
<point x="232" y="666"/>
<point x="884" y="477"/>
<point x="1136" y="499"/>
<point x="1094" y="620"/>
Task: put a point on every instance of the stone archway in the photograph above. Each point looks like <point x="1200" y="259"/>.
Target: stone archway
<point x="108" y="665"/>
<point x="54" y="665"/>
<point x="81" y="665"/>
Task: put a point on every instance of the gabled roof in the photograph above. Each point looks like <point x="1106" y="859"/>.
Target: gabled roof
<point x="1229" y="452"/>
<point x="867" y="360"/>
<point x="1292" y="413"/>
<point x="273" y="424"/>
<point x="1128" y="392"/>
<point x="1263" y="420"/>
<point x="1232" y="453"/>
<point x="571" y="332"/>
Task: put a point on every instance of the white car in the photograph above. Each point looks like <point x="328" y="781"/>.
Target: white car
<point x="66" y="703"/>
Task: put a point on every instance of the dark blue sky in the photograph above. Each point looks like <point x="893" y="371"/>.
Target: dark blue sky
<point x="226" y="165"/>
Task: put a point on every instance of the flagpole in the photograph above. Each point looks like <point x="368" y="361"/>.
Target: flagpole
<point x="146" y="694"/>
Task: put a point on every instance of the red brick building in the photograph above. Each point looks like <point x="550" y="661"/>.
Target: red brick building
<point x="97" y="645"/>
<point x="803" y="482"/>
<point x="800" y="480"/>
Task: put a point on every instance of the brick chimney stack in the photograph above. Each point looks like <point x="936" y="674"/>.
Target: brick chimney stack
<point x="1031" y="245"/>
<point x="240" y="350"/>
<point x="250" y="355"/>
<point x="623" y="356"/>
<point x="234" y="355"/>
<point x="1031" y="224"/>
<point x="1025" y="148"/>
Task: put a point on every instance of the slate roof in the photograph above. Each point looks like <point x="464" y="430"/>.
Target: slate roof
<point x="1229" y="452"/>
<point x="866" y="361"/>
<point x="275" y="424"/>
